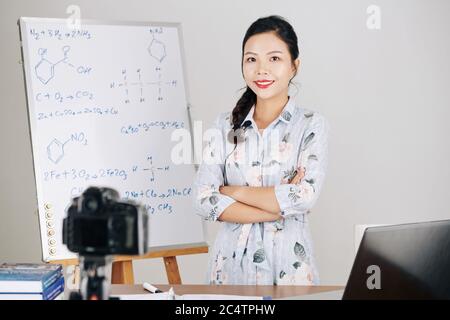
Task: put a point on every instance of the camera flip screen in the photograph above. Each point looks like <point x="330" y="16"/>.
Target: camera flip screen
<point x="93" y="234"/>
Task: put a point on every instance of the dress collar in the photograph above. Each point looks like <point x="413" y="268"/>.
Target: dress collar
<point x="285" y="114"/>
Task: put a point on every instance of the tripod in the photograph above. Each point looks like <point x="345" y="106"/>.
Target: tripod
<point x="94" y="284"/>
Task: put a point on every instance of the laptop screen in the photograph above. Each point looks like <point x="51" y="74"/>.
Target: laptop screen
<point x="409" y="261"/>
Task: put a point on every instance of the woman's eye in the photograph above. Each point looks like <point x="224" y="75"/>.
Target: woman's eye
<point x="275" y="58"/>
<point x="250" y="59"/>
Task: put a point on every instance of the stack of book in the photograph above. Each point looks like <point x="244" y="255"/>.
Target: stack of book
<point x="29" y="281"/>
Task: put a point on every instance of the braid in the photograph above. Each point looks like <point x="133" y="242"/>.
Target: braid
<point x="242" y="107"/>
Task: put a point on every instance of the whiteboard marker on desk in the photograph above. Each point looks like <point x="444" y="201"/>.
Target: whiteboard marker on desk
<point x="171" y="295"/>
<point x="152" y="289"/>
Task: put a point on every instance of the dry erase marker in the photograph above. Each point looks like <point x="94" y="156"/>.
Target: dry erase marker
<point x="152" y="289"/>
<point x="171" y="295"/>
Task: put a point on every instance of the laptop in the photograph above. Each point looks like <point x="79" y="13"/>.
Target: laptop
<point x="407" y="261"/>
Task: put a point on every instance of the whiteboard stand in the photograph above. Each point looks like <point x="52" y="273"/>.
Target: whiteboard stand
<point x="122" y="267"/>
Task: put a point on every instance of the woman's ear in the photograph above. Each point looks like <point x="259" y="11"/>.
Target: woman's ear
<point x="296" y="65"/>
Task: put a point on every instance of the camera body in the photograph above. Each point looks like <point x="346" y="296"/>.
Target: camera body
<point x="98" y="224"/>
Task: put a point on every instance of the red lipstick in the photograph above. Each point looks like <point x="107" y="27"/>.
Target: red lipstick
<point x="264" y="84"/>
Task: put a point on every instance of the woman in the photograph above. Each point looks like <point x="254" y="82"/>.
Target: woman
<point x="270" y="158"/>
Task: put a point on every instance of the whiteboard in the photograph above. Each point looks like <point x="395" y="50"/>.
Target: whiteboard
<point x="103" y="101"/>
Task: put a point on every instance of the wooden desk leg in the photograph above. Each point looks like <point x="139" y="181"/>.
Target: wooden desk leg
<point x="122" y="272"/>
<point x="173" y="274"/>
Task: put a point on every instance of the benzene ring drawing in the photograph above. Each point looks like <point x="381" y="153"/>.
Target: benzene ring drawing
<point x="157" y="50"/>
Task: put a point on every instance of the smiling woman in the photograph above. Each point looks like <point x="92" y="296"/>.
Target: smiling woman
<point x="262" y="194"/>
<point x="268" y="69"/>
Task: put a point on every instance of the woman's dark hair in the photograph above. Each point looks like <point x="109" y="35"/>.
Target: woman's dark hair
<point x="285" y="32"/>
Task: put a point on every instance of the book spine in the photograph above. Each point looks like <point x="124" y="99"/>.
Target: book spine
<point x="48" y="280"/>
<point x="56" y="294"/>
<point x="54" y="290"/>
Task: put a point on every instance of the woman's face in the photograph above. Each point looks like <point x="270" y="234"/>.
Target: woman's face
<point x="267" y="65"/>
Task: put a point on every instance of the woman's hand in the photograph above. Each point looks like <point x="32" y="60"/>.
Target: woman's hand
<point x="299" y="176"/>
<point x="226" y="190"/>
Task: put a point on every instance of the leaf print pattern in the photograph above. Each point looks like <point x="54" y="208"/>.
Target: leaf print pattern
<point x="282" y="274"/>
<point x="289" y="174"/>
<point x="286" y="115"/>
<point x="211" y="194"/>
<point x="218" y="274"/>
<point x="278" y="225"/>
<point x="297" y="264"/>
<point x="308" y="139"/>
<point x="237" y="227"/>
<point x="213" y="200"/>
<point x="303" y="275"/>
<point x="273" y="162"/>
<point x="213" y="213"/>
<point x="299" y="251"/>
<point x="294" y="194"/>
<point x="259" y="256"/>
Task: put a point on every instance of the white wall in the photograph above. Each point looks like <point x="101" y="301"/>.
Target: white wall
<point x="384" y="92"/>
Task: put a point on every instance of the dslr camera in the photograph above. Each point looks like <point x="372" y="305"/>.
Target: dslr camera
<point x="98" y="224"/>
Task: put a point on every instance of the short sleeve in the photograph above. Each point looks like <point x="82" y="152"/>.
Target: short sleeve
<point x="313" y="157"/>
<point x="209" y="203"/>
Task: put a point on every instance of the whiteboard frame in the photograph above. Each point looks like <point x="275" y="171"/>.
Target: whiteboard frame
<point x="22" y="21"/>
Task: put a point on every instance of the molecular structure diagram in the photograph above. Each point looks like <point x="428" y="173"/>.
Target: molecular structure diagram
<point x="157" y="50"/>
<point x="45" y="69"/>
<point x="55" y="149"/>
<point x="141" y="84"/>
<point x="154" y="168"/>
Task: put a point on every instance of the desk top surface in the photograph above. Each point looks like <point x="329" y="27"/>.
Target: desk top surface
<point x="273" y="291"/>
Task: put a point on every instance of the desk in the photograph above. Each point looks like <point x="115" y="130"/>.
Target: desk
<point x="275" y="292"/>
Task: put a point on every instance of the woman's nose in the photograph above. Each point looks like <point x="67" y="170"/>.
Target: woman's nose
<point x="262" y="71"/>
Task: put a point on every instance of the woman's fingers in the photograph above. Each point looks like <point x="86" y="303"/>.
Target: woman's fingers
<point x="302" y="172"/>
<point x="299" y="176"/>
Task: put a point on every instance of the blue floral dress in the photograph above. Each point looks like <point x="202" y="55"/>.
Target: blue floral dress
<point x="267" y="253"/>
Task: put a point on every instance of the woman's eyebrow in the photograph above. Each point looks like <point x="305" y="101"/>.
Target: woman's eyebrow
<point x="271" y="52"/>
<point x="276" y="51"/>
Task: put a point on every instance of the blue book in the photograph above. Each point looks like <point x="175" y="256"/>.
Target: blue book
<point x="55" y="291"/>
<point x="28" y="278"/>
